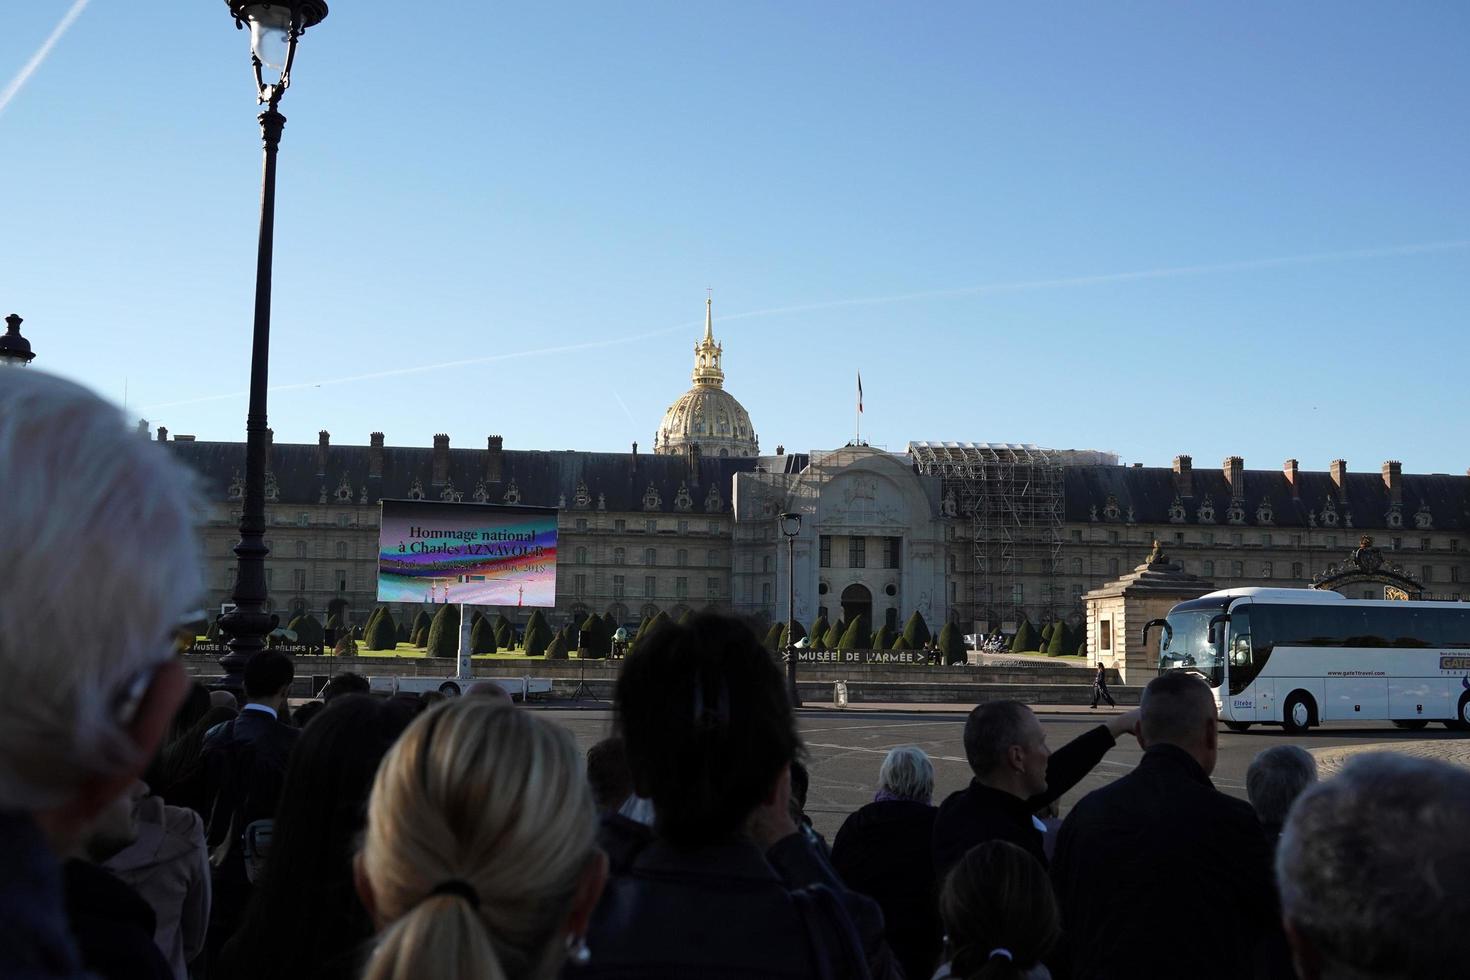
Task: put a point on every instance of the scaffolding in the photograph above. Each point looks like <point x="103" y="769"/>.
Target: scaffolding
<point x="1012" y="495"/>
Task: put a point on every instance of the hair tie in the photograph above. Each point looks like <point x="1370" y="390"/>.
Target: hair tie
<point x="460" y="888"/>
<point x="1001" y="951"/>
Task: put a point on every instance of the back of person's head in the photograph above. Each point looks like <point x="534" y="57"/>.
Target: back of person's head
<point x="305" y="912"/>
<point x="101" y="563"/>
<point x="223" y="699"/>
<point x="907" y="774"/>
<point x="991" y="730"/>
<point x="1276" y="777"/>
<point x="196" y="703"/>
<point x="430" y="698"/>
<point x="1178" y="709"/>
<point x="302" y="715"/>
<point x="608" y="775"/>
<point x="480" y="846"/>
<point x="345" y="682"/>
<point x="268" y="673"/>
<point x="999" y="913"/>
<point x="708" y="725"/>
<point x="1374" y="871"/>
<point x="489" y="689"/>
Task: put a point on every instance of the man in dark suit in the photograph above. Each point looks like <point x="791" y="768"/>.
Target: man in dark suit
<point x="245" y="766"/>
<point x="1015" y="776"/>
<point x="1159" y="874"/>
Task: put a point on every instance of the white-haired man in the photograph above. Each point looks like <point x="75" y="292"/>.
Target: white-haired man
<point x="101" y="563"/>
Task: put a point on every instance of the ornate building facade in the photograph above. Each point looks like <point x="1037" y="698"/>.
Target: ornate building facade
<point x="694" y="524"/>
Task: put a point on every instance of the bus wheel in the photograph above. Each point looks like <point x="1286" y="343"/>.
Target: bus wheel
<point x="1461" y="723"/>
<point x="1238" y="726"/>
<point x="1412" y="725"/>
<point x="1297" y="717"/>
<point x="449" y="689"/>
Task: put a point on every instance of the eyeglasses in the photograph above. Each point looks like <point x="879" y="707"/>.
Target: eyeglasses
<point x="129" y="697"/>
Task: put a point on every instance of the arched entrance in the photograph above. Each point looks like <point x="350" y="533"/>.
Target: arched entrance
<point x="857" y="601"/>
<point x="1367" y="566"/>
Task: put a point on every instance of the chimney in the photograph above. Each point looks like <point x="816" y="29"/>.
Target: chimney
<point x="1289" y="468"/>
<point x="1235" y="476"/>
<point x="780" y="450"/>
<point x="1393" y="472"/>
<point x="375" y="456"/>
<point x="493" y="459"/>
<point x="440" y="475"/>
<point x="694" y="464"/>
<point x="1339" y="477"/>
<point x="635" y="457"/>
<point x="1183" y="476"/>
<point x="162" y="434"/>
<point x="323" y="440"/>
<point x="143" y="428"/>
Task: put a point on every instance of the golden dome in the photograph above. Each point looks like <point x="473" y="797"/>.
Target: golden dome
<point x="707" y="415"/>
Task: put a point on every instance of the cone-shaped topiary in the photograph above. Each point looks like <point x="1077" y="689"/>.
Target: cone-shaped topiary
<point x="773" y="636"/>
<point x="1079" y="642"/>
<point x="818" y="629"/>
<point x="1025" y="639"/>
<point x="381" y="634"/>
<point x="334" y="622"/>
<point x="482" y="637"/>
<point x="557" y="649"/>
<point x="858" y="636"/>
<point x="783" y="640"/>
<point x="951" y="644"/>
<point x="1046" y="635"/>
<point x="1060" y="641"/>
<point x="684" y="618"/>
<point x="444" y="632"/>
<point x="537" y="639"/>
<point x="420" y="637"/>
<point x="833" y="640"/>
<point x="596" y="639"/>
<point x="422" y="621"/>
<point x="900" y="643"/>
<point x="884" y="639"/>
<point x="916" y="631"/>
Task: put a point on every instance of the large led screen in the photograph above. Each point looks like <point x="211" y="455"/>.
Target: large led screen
<point x="480" y="554"/>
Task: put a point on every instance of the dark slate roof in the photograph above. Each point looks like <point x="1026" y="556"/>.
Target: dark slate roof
<point x="1150" y="491"/>
<point x="541" y="477"/>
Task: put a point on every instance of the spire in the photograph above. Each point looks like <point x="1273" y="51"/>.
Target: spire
<point x="707" y="353"/>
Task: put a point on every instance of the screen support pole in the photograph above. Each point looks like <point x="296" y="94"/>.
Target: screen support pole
<point x="464" y="674"/>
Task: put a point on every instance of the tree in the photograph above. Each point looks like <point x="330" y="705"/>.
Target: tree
<point x="421" y="637"/>
<point x="952" y="644"/>
<point x="1046" y="632"/>
<point x="308" y="630"/>
<point x="558" y="647"/>
<point x="784" y="640"/>
<point x="482" y="637"/>
<point x="1061" y="641"/>
<point x="538" y="637"/>
<point x="833" y="639"/>
<point x="883" y="639"/>
<point x="1025" y="639"/>
<point x="537" y="621"/>
<point x="684" y="619"/>
<point x="857" y="636"/>
<point x="596" y="639"/>
<point x="381" y="633"/>
<point x="444" y="632"/>
<point x="1079" y="642"/>
<point x="900" y="643"/>
<point x="422" y="620"/>
<point x="504" y="636"/>
<point x="334" y="622"/>
<point x="773" y="637"/>
<point x="818" y="630"/>
<point x="916" y="631"/>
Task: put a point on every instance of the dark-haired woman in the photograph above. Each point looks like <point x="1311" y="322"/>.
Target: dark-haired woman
<point x="304" y="919"/>
<point x="1000" y="916"/>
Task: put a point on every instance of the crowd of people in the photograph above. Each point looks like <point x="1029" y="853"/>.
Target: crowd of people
<point x="150" y="828"/>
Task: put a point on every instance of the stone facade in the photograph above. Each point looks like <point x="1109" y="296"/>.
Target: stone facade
<point x="1117" y="612"/>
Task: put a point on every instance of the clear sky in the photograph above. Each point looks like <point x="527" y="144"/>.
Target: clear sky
<point x="1154" y="228"/>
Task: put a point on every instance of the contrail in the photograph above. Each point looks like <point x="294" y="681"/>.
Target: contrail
<point x="24" y="75"/>
<point x="1168" y="272"/>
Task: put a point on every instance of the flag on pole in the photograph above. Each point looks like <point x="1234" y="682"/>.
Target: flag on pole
<point x="860" y="391"/>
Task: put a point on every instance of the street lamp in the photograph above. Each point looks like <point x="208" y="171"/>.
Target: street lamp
<point x="791" y="527"/>
<point x="275" y="28"/>
<point x="15" y="350"/>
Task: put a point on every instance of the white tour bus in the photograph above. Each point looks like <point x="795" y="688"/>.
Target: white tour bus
<point x="1302" y="657"/>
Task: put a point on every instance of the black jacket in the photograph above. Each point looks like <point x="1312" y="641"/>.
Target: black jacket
<point x="1159" y="874"/>
<point x="245" y="767"/>
<point x="112" y="925"/>
<point x="978" y="813"/>
<point x="723" y="911"/>
<point x="882" y="851"/>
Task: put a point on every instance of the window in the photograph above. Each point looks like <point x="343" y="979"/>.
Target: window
<point x="1423" y="544"/>
<point x="301" y="549"/>
<point x="1076" y="566"/>
<point x="298" y="580"/>
<point x="890" y="552"/>
<point x="581" y="524"/>
<point x="650" y="586"/>
<point x="1395" y="543"/>
<point x="1178" y="537"/>
<point x="1077" y="536"/>
<point x="1296" y="540"/>
<point x="1454" y="544"/>
<point x="1076" y="593"/>
<point x="341" y="580"/>
<point x="1018" y="594"/>
<point x="681" y="558"/>
<point x="1112" y="537"/>
<point x="766" y="564"/>
<point x="1208" y="537"/>
<point x="824" y="548"/>
<point x="712" y="559"/>
<point x="1237" y="569"/>
<point x="650" y="524"/>
<point x="1209" y="568"/>
<point x="1265" y="569"/>
<point x="1235" y="538"/>
<point x="1332" y="541"/>
<point x="343" y="520"/>
<point x="1426" y="574"/>
<point x="618" y="588"/>
<point x="1266" y="540"/>
<point x="857" y="552"/>
<point x="683" y="527"/>
<point x="1454" y="573"/>
<point x="681" y="588"/>
<point x="714" y="527"/>
<point x="650" y="556"/>
<point x="620" y="556"/>
<point x="304" y="520"/>
<point x="579" y="585"/>
<point x="953" y="594"/>
<point x="620" y="525"/>
<point x="341" y="549"/>
<point x="712" y="588"/>
<point x="1112" y="566"/>
<point x="1105" y="634"/>
<point x="1296" y="570"/>
<point x="766" y="593"/>
<point x="579" y="556"/>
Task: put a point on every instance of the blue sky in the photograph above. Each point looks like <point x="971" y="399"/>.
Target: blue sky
<point x="1061" y="221"/>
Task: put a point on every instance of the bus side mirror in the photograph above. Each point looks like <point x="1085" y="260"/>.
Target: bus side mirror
<point x="1222" y="618"/>
<point x="1168" y="631"/>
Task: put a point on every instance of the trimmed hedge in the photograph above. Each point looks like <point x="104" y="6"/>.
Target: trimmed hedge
<point x="482" y="637"/>
<point x="444" y="632"/>
<point x="1061" y="641"/>
<point x="381" y="634"/>
<point x="952" y="644"/>
<point x="858" y="636"/>
<point x="1025" y="640"/>
<point x="916" y="632"/>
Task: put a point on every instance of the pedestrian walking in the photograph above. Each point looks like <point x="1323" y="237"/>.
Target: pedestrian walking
<point x="1100" y="687"/>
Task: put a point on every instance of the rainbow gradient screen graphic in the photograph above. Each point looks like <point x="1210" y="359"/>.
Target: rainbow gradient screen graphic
<point x="479" y="554"/>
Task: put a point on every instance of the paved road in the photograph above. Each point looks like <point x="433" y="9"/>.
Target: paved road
<point x="846" y="748"/>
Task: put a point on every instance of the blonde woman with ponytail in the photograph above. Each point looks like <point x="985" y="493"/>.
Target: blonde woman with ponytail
<point x="479" y="859"/>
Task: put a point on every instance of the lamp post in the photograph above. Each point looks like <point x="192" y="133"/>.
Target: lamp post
<point x="791" y="527"/>
<point x="15" y="350"/>
<point x="275" y="28"/>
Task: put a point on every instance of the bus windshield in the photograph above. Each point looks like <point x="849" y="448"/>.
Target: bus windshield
<point x="1186" y="644"/>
